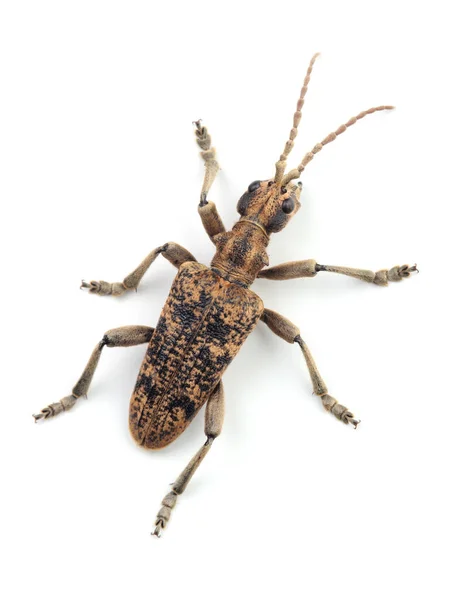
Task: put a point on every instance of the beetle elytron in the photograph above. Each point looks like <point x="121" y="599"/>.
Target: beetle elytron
<point x="210" y="311"/>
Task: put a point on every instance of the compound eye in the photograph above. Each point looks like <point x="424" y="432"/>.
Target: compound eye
<point x="288" y="205"/>
<point x="254" y="186"/>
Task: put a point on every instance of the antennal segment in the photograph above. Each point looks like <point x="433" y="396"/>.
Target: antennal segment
<point x="280" y="166"/>
<point x="295" y="173"/>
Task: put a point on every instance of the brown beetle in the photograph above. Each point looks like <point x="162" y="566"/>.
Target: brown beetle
<point x="210" y="311"/>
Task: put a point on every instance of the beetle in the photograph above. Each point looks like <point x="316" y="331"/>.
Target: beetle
<point x="210" y="311"/>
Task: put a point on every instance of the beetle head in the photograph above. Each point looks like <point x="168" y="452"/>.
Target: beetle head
<point x="268" y="205"/>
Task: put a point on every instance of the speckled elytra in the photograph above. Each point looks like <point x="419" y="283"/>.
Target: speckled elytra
<point x="210" y="311"/>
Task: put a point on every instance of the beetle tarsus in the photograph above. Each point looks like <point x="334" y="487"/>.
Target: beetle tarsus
<point x="165" y="511"/>
<point x="56" y="408"/>
<point x="354" y="422"/>
<point x="406" y="270"/>
<point x="157" y="531"/>
<point x="91" y="286"/>
<point x="340" y="411"/>
<point x="40" y="415"/>
<point x="413" y="269"/>
<point x="347" y="417"/>
<point x="45" y="413"/>
<point x="397" y="273"/>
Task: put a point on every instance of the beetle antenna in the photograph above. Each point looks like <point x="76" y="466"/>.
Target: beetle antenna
<point x="280" y="166"/>
<point x="295" y="173"/>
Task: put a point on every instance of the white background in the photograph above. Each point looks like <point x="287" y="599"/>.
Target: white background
<point x="98" y="167"/>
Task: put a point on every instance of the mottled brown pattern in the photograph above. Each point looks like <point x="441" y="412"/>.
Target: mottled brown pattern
<point x="241" y="253"/>
<point x="210" y="311"/>
<point x="203" y="324"/>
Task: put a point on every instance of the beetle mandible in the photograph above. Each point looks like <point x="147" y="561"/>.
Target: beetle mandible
<point x="210" y="311"/>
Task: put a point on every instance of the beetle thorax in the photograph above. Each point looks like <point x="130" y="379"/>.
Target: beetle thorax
<point x="241" y="253"/>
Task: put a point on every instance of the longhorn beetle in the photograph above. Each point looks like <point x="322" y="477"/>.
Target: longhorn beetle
<point x="210" y="311"/>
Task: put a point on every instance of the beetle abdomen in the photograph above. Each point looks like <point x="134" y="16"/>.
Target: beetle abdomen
<point x="202" y="326"/>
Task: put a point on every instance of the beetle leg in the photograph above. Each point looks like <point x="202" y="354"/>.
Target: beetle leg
<point x="213" y="425"/>
<point x="310" y="268"/>
<point x="131" y="335"/>
<point x="211" y="220"/>
<point x="330" y="404"/>
<point x="382" y="277"/>
<point x="208" y="154"/>
<point x="290" y="270"/>
<point x="208" y="212"/>
<point x="290" y="333"/>
<point x="174" y="253"/>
